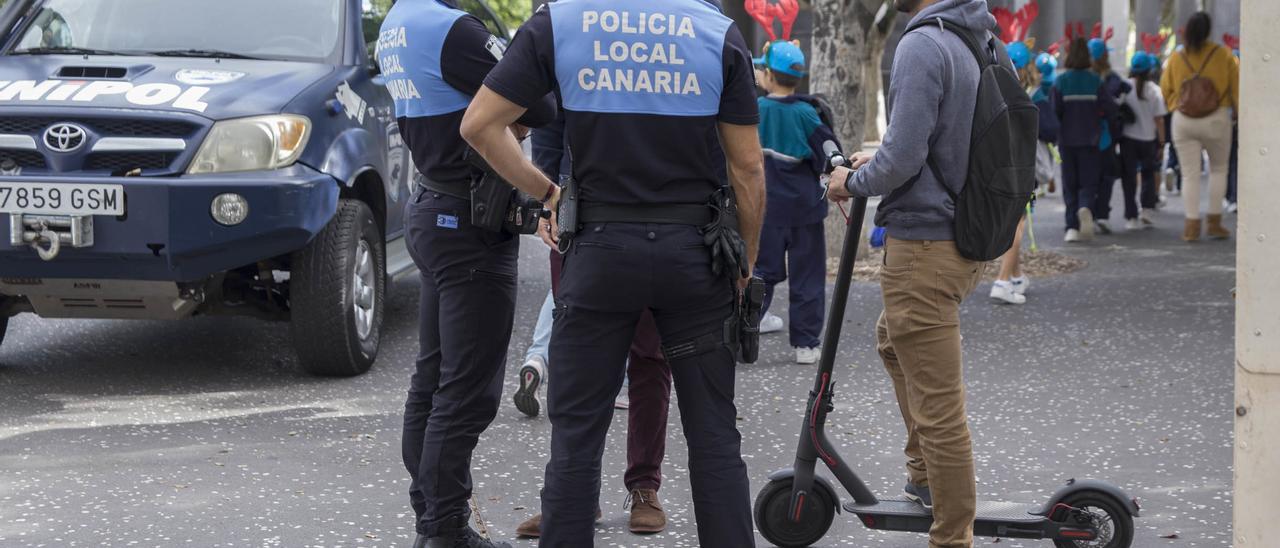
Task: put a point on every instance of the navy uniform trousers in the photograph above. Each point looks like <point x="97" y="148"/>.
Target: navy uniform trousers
<point x="611" y="274"/>
<point x="468" y="305"/>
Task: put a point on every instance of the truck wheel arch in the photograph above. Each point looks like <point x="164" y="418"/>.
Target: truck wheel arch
<point x="367" y="186"/>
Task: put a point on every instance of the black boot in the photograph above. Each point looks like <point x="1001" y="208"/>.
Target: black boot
<point x="457" y="534"/>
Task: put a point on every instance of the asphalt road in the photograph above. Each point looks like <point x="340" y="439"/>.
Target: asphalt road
<point x="203" y="433"/>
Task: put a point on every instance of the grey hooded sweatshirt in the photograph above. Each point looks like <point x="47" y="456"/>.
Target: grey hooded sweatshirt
<point x="932" y="93"/>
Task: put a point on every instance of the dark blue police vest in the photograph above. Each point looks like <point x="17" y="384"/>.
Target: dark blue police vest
<point x="410" y="45"/>
<point x="660" y="57"/>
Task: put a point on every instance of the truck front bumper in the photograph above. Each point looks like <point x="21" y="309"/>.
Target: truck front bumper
<point x="168" y="233"/>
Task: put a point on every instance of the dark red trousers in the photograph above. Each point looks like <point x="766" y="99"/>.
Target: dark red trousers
<point x="649" y="375"/>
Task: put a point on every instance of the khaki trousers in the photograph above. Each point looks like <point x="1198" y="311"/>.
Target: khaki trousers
<point x="923" y="283"/>
<point x="1210" y="134"/>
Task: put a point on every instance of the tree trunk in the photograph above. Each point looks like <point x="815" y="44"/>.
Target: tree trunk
<point x="838" y="70"/>
<point x="877" y="38"/>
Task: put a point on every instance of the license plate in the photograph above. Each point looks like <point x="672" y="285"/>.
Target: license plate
<point x="61" y="199"/>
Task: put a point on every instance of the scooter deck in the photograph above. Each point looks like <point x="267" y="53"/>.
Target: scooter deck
<point x="993" y="518"/>
<point x="987" y="511"/>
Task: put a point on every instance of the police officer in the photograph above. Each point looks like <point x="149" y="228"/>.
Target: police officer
<point x="434" y="58"/>
<point x="645" y="85"/>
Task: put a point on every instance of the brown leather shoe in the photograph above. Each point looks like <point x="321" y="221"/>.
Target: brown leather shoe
<point x="647" y="516"/>
<point x="1191" y="232"/>
<point x="1215" y="230"/>
<point x="532" y="527"/>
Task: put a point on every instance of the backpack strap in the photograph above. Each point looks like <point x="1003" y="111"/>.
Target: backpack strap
<point x="983" y="60"/>
<point x="1186" y="59"/>
<point x="979" y="54"/>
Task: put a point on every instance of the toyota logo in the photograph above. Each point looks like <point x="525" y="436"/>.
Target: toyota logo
<point x="64" y="137"/>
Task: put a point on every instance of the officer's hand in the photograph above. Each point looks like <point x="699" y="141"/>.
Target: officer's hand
<point x="742" y="284"/>
<point x="836" y="191"/>
<point x="546" y="234"/>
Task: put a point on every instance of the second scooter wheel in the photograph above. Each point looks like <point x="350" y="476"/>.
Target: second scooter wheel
<point x="773" y="515"/>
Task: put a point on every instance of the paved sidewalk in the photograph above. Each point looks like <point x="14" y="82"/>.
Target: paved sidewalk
<point x="201" y="433"/>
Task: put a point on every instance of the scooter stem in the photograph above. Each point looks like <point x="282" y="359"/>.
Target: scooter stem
<point x="813" y="440"/>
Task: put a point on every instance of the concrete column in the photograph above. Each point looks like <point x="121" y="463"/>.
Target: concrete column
<point x="1146" y="17"/>
<point x="1115" y="14"/>
<point x="1182" y="10"/>
<point x="1047" y="28"/>
<point x="1226" y="18"/>
<point x="1257" y="440"/>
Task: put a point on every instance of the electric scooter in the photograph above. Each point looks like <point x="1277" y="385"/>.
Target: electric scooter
<point x="797" y="507"/>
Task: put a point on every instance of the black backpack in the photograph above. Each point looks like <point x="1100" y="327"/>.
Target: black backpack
<point x="1002" y="155"/>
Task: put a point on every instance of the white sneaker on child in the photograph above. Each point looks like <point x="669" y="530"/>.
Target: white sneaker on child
<point x="1073" y="235"/>
<point x="1145" y="219"/>
<point x="1020" y="284"/>
<point x="1132" y="224"/>
<point x="807" y="356"/>
<point x="770" y="324"/>
<point x="1085" y="216"/>
<point x="1002" y="291"/>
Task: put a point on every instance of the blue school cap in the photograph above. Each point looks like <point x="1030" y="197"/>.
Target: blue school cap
<point x="782" y="57"/>
<point x="1019" y="53"/>
<point x="1048" y="67"/>
<point x="1142" y="62"/>
<point x="1098" y="48"/>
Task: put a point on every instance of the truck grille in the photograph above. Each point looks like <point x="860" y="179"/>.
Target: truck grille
<point x="107" y="127"/>
<point x="116" y="161"/>
<point x="25" y="159"/>
<point x="152" y="162"/>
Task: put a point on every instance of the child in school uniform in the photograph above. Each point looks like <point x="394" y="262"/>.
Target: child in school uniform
<point x="1082" y="105"/>
<point x="793" y="242"/>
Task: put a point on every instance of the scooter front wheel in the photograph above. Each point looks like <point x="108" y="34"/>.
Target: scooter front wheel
<point x="1115" y="525"/>
<point x="773" y="514"/>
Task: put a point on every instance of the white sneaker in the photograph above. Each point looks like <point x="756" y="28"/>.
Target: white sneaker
<point x="1003" y="291"/>
<point x="1073" y="235"/>
<point x="1085" y="215"/>
<point x="533" y="375"/>
<point x="1145" y="219"/>
<point x="1132" y="224"/>
<point x="1230" y="207"/>
<point x="1020" y="284"/>
<point x="770" y="324"/>
<point x="807" y="356"/>
<point x="1102" y="226"/>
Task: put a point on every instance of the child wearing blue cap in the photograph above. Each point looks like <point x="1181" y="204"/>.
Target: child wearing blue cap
<point x="793" y="129"/>
<point x="1142" y="143"/>
<point x="1083" y="108"/>
<point x="1116" y="87"/>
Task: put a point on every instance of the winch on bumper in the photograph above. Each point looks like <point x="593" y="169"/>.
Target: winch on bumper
<point x="155" y="260"/>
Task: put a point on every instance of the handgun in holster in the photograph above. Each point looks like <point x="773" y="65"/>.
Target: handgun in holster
<point x="567" y="213"/>
<point x="749" y="307"/>
<point x="496" y="206"/>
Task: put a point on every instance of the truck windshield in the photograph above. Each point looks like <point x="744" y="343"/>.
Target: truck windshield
<point x="297" y="30"/>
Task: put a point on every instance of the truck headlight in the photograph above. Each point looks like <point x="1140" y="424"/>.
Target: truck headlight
<point x="249" y="144"/>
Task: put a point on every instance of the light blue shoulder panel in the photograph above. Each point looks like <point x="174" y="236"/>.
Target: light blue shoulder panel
<point x="639" y="56"/>
<point x="410" y="45"/>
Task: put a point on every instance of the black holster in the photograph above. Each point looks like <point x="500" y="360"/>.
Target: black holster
<point x="496" y="206"/>
<point x="568" y="213"/>
<point x="750" y="303"/>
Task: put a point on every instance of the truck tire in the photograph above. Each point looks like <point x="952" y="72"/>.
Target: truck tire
<point x="336" y="291"/>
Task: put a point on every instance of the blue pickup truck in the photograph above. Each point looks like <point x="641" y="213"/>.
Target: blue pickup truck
<point x="161" y="159"/>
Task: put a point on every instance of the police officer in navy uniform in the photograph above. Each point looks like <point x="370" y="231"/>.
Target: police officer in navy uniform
<point x="646" y="85"/>
<point x="434" y="58"/>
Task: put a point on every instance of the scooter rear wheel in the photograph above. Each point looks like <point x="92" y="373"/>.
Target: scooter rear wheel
<point x="1115" y="525"/>
<point x="773" y="514"/>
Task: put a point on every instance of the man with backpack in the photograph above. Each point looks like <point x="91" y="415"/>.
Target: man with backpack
<point x="948" y="204"/>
